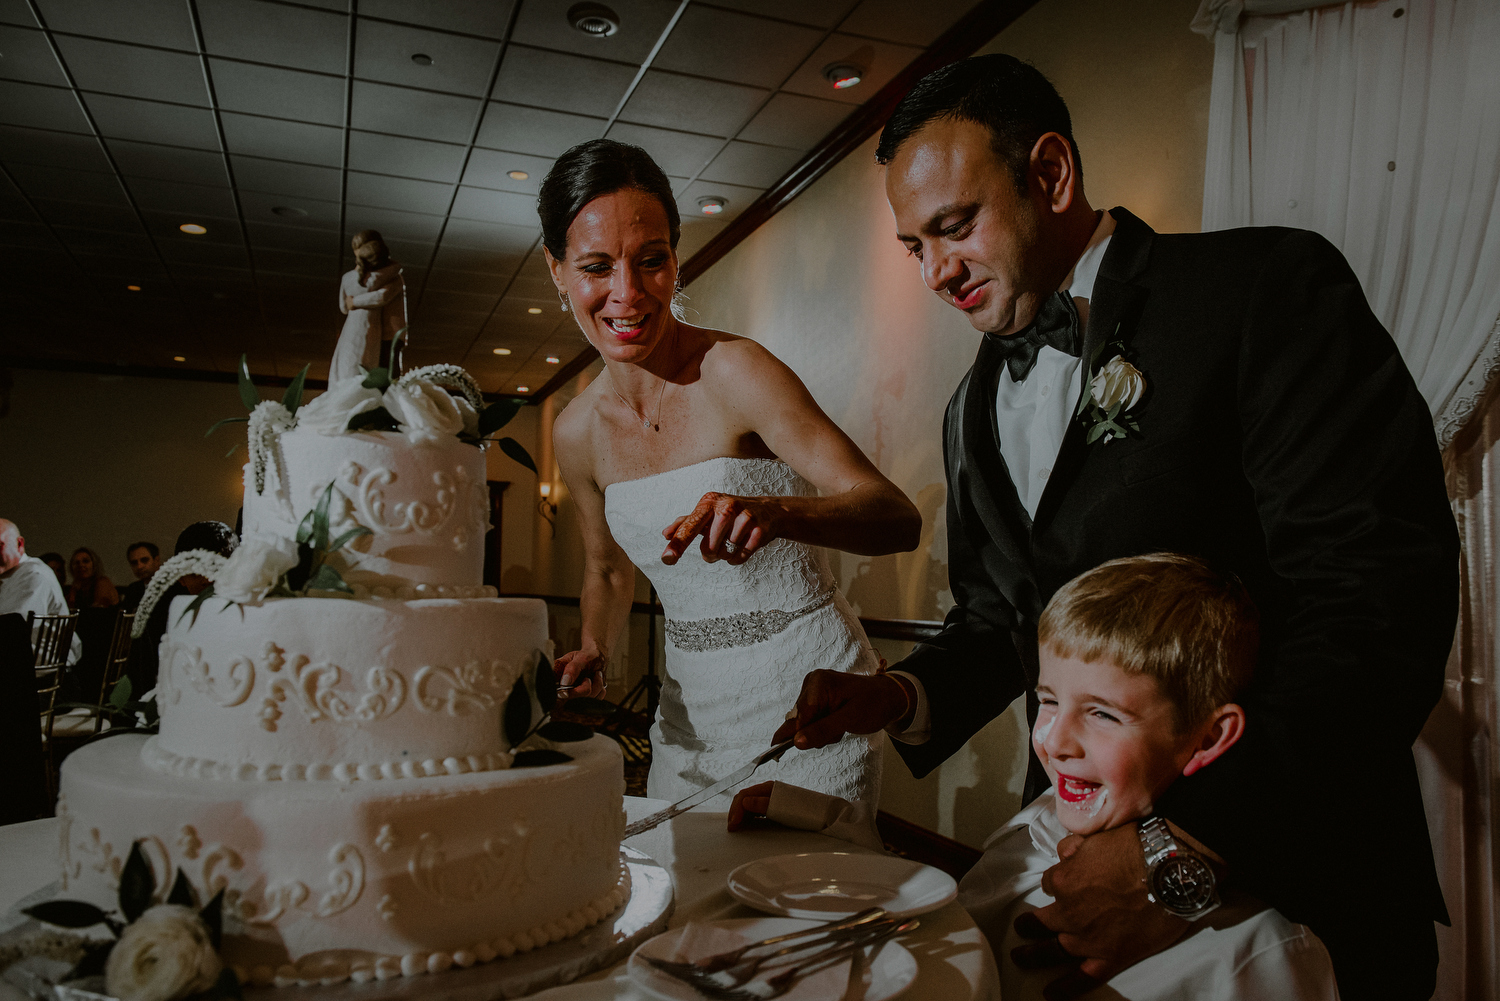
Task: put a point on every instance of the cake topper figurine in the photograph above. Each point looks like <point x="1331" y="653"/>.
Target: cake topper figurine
<point x="373" y="297"/>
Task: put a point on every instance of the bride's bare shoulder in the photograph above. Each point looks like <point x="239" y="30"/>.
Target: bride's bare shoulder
<point x="572" y="429"/>
<point x="733" y="357"/>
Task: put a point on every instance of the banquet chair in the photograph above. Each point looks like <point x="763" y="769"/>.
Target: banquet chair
<point x="114" y="663"/>
<point x="52" y="640"/>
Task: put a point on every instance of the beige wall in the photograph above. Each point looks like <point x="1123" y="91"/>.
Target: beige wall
<point x="827" y="287"/>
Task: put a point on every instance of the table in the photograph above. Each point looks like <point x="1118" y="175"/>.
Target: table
<point x="954" y="962"/>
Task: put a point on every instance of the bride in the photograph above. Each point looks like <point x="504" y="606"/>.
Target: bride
<point x="696" y="434"/>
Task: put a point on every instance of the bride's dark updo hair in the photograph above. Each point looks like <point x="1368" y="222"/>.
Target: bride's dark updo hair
<point x="592" y="170"/>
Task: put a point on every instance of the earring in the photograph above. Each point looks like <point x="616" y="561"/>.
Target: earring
<point x="562" y="297"/>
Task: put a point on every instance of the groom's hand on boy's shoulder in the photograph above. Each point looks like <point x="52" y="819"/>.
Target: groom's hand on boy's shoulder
<point x="834" y="703"/>
<point x="1100" y="914"/>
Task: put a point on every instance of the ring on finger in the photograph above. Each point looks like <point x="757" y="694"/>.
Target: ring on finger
<point x="730" y="547"/>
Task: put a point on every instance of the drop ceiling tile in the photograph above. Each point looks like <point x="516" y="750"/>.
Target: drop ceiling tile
<point x="136" y="246"/>
<point x="166" y="163"/>
<point x="818" y="13"/>
<point x="16" y="12"/>
<point x="288" y="262"/>
<point x="412" y="255"/>
<point x="394" y="224"/>
<point x="35" y="236"/>
<point x="795" y="121"/>
<point x="258" y="206"/>
<point x="153" y="121"/>
<point x="39" y="107"/>
<point x="751" y="164"/>
<point x="437" y="279"/>
<point x="186" y="199"/>
<point x="69" y="185"/>
<point x="486" y="262"/>
<point x="53" y="149"/>
<point x="692" y="104"/>
<point x="278" y="93"/>
<point x="428" y="161"/>
<point x="219" y="255"/>
<point x="112" y="218"/>
<point x="458" y="65"/>
<point x="879" y="60"/>
<point x="298" y="180"/>
<point x="276" y="33"/>
<point x="299" y="142"/>
<point x="736" y="199"/>
<point x="305" y="241"/>
<point x="535" y="130"/>
<point x="14" y="206"/>
<point x="27" y="56"/>
<point x="381" y="191"/>
<point x="133" y="71"/>
<point x="493" y="237"/>
<point x="490" y="169"/>
<point x="207" y="275"/>
<point x="641" y="23"/>
<point x="434" y="300"/>
<point x="149" y="22"/>
<point x="164" y="227"/>
<point x="904" y="21"/>
<point x="561" y="82"/>
<point x="473" y="17"/>
<point x="678" y="153"/>
<point x="727" y="45"/>
<point x="420" y="114"/>
<point x="495" y="206"/>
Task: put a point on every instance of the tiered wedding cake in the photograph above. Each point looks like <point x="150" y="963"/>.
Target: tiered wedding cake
<point x="336" y="763"/>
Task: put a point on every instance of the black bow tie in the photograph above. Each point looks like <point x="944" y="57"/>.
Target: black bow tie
<point x="1056" y="325"/>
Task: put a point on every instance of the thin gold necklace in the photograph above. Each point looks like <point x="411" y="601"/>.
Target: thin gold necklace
<point x="645" y="422"/>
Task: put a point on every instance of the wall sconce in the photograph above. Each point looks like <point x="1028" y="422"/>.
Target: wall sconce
<point x="546" y="508"/>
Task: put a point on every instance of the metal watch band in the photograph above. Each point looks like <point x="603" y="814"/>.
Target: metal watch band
<point x="1156" y="840"/>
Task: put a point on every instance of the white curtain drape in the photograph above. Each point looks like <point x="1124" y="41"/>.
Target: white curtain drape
<point x="1377" y="124"/>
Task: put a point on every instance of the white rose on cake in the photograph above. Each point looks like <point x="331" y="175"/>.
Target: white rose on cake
<point x="254" y="569"/>
<point x="163" y="955"/>
<point x="1118" y="382"/>
<point x="427" y="413"/>
<point x="330" y="413"/>
<point x="469" y="414"/>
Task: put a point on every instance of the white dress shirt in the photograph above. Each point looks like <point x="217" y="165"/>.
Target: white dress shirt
<point x="31" y="586"/>
<point x="1032" y="416"/>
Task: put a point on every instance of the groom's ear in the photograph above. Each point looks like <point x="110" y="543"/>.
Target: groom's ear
<point x="1054" y="176"/>
<point x="1218" y="734"/>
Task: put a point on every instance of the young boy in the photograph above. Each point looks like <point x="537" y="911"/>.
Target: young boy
<point x="1141" y="659"/>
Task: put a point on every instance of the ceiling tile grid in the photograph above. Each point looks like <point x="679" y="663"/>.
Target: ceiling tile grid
<point x="257" y="121"/>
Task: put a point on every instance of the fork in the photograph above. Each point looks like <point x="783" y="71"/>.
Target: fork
<point x="724" y="960"/>
<point x="724" y="976"/>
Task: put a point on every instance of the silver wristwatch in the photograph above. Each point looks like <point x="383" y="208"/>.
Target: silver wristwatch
<point x="1177" y="878"/>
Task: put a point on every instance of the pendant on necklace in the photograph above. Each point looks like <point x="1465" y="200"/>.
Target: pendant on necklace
<point x="645" y="424"/>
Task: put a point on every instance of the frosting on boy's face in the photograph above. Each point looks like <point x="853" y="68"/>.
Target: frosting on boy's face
<point x="1108" y="741"/>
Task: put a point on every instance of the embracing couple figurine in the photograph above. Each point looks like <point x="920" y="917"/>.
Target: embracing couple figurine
<point x="1227" y="396"/>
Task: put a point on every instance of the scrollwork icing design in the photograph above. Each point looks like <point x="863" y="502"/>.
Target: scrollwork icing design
<point x="472" y="687"/>
<point x="188" y="664"/>
<point x="346" y="884"/>
<point x="499" y="866"/>
<point x="456" y="491"/>
<point x="312" y="687"/>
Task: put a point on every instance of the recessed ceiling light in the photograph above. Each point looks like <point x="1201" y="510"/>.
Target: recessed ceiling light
<point x="523" y="389"/>
<point x="842" y="75"/>
<point x="553" y="360"/>
<point x="594" y="19"/>
<point x="421" y="59"/>
<point x="290" y="212"/>
<point x="712" y="204"/>
<point x="133" y="288"/>
<point x="178" y="358"/>
<point x="193" y="228"/>
<point x="502" y="351"/>
<point x="518" y="175"/>
<point x="534" y="310"/>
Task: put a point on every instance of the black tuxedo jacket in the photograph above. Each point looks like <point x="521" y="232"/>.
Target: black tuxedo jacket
<point x="1281" y="438"/>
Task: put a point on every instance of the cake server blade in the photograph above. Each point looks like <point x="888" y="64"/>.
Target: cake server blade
<point x="704" y="795"/>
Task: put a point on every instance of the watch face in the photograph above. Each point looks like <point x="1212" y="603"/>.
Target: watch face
<point x="1183" y="884"/>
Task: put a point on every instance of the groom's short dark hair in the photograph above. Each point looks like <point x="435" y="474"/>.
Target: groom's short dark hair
<point x="1010" y="98"/>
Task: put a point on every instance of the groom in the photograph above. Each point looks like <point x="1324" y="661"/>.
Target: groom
<point x="1252" y="411"/>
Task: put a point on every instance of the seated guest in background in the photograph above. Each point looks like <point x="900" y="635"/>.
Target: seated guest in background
<point x="59" y="566"/>
<point x="90" y="588"/>
<point x="214" y="536"/>
<point x="26" y="583"/>
<point x="144" y="559"/>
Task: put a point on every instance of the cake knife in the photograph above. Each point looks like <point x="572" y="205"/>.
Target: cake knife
<point x="704" y="795"/>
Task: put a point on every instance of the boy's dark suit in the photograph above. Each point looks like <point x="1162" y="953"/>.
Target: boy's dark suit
<point x="1283" y="439"/>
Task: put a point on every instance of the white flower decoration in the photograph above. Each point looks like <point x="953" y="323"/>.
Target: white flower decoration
<point x="267" y="420"/>
<point x="164" y="955"/>
<point x="1118" y="382"/>
<point x="254" y="569"/>
<point x="330" y="413"/>
<point x="193" y="561"/>
<point x="426" y="412"/>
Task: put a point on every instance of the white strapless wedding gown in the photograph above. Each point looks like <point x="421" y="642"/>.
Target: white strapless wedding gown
<point x="740" y="639"/>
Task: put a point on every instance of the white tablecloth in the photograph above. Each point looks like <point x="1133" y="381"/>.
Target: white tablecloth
<point x="953" y="959"/>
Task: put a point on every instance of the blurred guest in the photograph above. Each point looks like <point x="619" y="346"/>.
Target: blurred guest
<point x="26" y="584"/>
<point x="144" y="559"/>
<point x="59" y="566"/>
<point x="90" y="588"/>
<point x="214" y="536"/>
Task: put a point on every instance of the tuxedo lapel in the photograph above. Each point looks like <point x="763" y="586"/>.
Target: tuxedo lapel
<point x="998" y="504"/>
<point x="1113" y="306"/>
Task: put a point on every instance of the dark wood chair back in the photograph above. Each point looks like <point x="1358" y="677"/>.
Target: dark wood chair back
<point x="52" y="641"/>
<point x="115" y="661"/>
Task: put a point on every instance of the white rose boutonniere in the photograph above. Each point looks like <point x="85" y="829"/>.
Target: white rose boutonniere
<point x="330" y="413"/>
<point x="255" y="568"/>
<point x="1110" y="396"/>
<point x="166" y="954"/>
<point x="426" y="412"/>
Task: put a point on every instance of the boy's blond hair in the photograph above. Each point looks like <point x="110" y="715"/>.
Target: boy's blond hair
<point x="1167" y="616"/>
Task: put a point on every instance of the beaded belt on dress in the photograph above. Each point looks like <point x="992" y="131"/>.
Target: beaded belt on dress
<point x="739" y="629"/>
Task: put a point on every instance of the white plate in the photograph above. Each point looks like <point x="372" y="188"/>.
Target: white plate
<point x="885" y="975"/>
<point x="827" y="885"/>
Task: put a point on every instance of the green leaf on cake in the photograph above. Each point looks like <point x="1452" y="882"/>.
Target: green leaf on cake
<point x="328" y="579"/>
<point x="212" y="916"/>
<point x="348" y="537"/>
<point x="320" y="520"/>
<point x="137" y="884"/>
<point x="66" y="913"/>
<point x="221" y="423"/>
<point x="517" y="451"/>
<point x="546" y="684"/>
<point x="296" y="577"/>
<point x="120" y="694"/>
<point x="248" y="396"/>
<point x="540" y="758"/>
<point x="378" y="419"/>
<point x="379" y="378"/>
<point x="562" y="732"/>
<point x="497" y="415"/>
<point x="585" y="706"/>
<point x="182" y="891"/>
<point x="292" y="398"/>
<point x="517" y="713"/>
<point x="196" y="604"/>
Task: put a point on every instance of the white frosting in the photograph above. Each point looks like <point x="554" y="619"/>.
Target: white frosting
<point x="326" y="881"/>
<point x="427" y="507"/>
<point x="322" y="689"/>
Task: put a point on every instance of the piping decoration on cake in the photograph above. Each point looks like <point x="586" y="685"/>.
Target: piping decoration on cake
<point x="231" y="690"/>
<point x="313" y="690"/>
<point x="346" y="884"/>
<point x="424" y="517"/>
<point x="475" y="874"/>
<point x="472" y="687"/>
